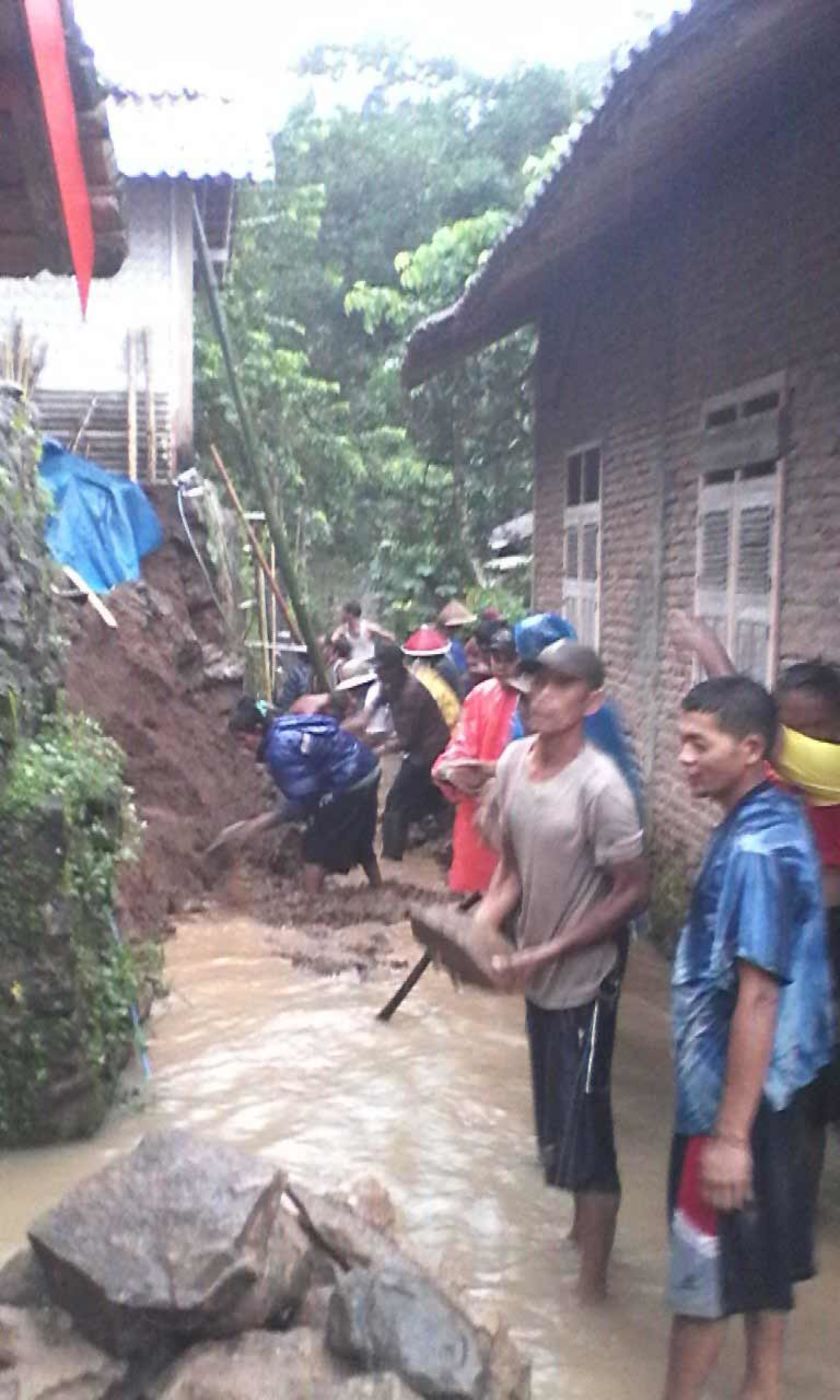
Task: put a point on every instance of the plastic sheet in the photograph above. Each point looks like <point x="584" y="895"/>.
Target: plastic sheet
<point x="101" y="523"/>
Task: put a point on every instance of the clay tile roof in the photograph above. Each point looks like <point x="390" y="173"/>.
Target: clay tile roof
<point x="669" y="102"/>
<point x="187" y="134"/>
<point x="32" y="233"/>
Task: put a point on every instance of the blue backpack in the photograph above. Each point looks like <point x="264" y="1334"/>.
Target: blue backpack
<point x="311" y="757"/>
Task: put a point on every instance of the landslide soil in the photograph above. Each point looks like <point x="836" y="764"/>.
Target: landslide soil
<point x="349" y="928"/>
<point x="163" y="685"/>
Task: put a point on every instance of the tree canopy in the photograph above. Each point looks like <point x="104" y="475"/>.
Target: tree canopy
<point x="377" y="216"/>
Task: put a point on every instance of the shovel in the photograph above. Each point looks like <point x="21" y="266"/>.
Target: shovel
<point x="418" y="918"/>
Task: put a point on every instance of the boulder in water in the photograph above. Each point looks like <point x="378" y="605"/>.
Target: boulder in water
<point x="393" y="1319"/>
<point x="41" y="1357"/>
<point x="270" y="1366"/>
<point x="183" y="1237"/>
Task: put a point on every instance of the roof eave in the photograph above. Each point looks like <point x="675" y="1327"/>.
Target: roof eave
<point x="648" y="128"/>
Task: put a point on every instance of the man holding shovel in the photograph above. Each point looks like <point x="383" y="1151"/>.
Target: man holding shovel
<point x="572" y="860"/>
<point x="326" y="776"/>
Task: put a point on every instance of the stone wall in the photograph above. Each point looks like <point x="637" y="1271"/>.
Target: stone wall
<point x="732" y="277"/>
<point x="66" y="984"/>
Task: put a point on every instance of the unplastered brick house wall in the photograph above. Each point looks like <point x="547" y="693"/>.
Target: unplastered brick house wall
<point x="699" y="351"/>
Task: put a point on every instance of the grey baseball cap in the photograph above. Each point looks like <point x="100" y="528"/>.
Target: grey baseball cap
<point x="572" y="661"/>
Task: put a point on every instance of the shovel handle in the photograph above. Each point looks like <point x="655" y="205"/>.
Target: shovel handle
<point x="469" y="902"/>
<point x="402" y="991"/>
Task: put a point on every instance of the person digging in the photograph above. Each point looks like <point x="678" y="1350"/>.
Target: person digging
<point x="326" y="777"/>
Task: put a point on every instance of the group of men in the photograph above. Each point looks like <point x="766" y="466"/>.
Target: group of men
<point x="549" y="833"/>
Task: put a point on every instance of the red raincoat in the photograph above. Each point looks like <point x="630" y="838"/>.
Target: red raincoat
<point x="482" y="732"/>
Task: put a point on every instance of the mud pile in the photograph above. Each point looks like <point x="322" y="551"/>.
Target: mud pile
<point x="163" y="684"/>
<point x="346" y="929"/>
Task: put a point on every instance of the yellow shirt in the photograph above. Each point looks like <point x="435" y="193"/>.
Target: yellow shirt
<point x="811" y="765"/>
<point x="441" y="692"/>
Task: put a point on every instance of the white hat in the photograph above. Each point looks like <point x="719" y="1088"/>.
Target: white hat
<point x="356" y="673"/>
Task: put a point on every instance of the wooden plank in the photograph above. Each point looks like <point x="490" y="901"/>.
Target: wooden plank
<point x="131" y="406"/>
<point x="95" y="602"/>
<point x="151" y="416"/>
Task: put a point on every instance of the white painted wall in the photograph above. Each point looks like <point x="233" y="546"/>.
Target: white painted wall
<point x="152" y="290"/>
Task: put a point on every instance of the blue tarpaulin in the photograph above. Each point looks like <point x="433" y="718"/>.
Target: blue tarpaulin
<point x="101" y="524"/>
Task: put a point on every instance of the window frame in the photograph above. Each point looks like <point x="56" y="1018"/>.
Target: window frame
<point x="736" y="501"/>
<point x="577" y="517"/>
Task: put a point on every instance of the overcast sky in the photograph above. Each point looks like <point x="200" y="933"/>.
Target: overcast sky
<point x="222" y="45"/>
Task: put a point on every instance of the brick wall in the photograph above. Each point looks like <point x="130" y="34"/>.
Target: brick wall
<point x="733" y="276"/>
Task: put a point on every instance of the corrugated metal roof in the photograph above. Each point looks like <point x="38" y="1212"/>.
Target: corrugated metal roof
<point x="465" y="325"/>
<point x="188" y="134"/>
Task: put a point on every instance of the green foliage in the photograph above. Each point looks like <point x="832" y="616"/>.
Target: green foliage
<point x="66" y="982"/>
<point x="378" y="216"/>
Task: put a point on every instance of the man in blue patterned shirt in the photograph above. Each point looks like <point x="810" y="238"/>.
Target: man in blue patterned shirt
<point x="752" y="1028"/>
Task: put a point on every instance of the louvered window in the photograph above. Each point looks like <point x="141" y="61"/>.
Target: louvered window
<point x="582" y="549"/>
<point x="738" y="563"/>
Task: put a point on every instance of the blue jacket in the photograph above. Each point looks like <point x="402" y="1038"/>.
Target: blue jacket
<point x="311" y="757"/>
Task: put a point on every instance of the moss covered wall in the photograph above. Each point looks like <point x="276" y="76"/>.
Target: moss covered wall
<point x="29" y="651"/>
<point x="66" y="984"/>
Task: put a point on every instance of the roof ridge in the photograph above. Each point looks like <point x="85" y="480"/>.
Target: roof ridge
<point x="120" y="92"/>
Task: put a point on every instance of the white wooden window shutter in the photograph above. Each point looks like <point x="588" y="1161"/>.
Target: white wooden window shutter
<point x="738" y="565"/>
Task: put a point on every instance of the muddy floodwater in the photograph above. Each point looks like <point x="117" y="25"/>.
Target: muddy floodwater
<point x="436" y="1105"/>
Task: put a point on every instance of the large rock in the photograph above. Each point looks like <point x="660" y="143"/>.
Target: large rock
<point x="393" y="1319"/>
<point x="42" y="1358"/>
<point x="342" y="1232"/>
<point x="22" y="1282"/>
<point x="270" y="1366"/>
<point x="183" y="1238"/>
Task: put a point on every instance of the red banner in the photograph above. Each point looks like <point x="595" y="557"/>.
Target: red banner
<point x="46" y="33"/>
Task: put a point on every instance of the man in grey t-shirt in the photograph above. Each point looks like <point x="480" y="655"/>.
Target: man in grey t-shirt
<point x="572" y="862"/>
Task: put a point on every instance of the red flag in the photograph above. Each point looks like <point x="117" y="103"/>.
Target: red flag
<point x="46" y="33"/>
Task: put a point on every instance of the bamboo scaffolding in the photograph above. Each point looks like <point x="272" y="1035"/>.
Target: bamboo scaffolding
<point x="254" y="462"/>
<point x="272" y="563"/>
<point x="253" y="540"/>
<point x="131" y="405"/>
<point x="151" y="410"/>
<point x="262" y="623"/>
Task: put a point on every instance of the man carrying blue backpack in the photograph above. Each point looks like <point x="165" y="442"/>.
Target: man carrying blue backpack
<point x="326" y="777"/>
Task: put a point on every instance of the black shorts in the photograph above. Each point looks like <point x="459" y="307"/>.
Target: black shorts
<point x="822" y="1098"/>
<point x="571" y="1065"/>
<point x="745" y="1261"/>
<point x="340" y="832"/>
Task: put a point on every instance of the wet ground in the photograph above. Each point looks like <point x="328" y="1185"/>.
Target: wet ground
<point x="436" y="1105"/>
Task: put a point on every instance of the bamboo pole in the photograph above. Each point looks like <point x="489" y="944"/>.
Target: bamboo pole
<point x="262" y="622"/>
<point x="151" y="413"/>
<point x="272" y="564"/>
<point x="131" y="406"/>
<point x="253" y="460"/>
<point x="253" y="540"/>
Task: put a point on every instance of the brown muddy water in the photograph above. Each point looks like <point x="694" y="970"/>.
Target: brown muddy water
<point x="436" y="1105"/>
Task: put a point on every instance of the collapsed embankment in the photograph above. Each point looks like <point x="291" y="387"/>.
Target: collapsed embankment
<point x="163" y="684"/>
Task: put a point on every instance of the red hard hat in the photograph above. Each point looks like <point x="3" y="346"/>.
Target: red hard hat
<point x="426" y="641"/>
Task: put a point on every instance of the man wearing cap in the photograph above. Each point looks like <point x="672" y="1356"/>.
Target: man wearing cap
<point x="468" y="763"/>
<point x="572" y="861"/>
<point x="420" y="734"/>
